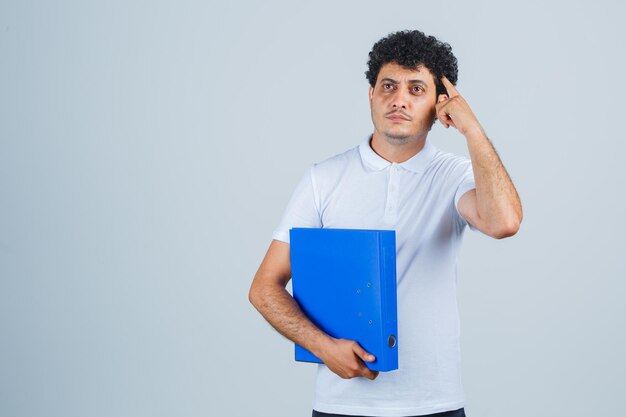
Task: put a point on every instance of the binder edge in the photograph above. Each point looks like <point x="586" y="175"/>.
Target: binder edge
<point x="389" y="289"/>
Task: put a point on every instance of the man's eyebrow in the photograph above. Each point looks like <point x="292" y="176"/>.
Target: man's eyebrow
<point x="390" y="80"/>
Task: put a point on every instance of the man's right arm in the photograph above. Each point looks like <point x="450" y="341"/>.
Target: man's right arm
<point x="270" y="297"/>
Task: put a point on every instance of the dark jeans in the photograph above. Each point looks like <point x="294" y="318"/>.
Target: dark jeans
<point x="456" y="413"/>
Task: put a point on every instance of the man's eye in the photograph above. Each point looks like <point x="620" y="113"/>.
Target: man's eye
<point x="417" y="89"/>
<point x="387" y="86"/>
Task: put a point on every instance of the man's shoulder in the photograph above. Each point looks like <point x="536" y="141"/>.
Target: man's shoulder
<point x="445" y="157"/>
<point x="448" y="168"/>
<point x="448" y="161"/>
<point x="337" y="163"/>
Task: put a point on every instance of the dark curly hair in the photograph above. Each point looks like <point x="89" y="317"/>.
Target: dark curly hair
<point x="411" y="49"/>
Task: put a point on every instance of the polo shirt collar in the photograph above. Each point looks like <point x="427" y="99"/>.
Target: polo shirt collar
<point x="417" y="163"/>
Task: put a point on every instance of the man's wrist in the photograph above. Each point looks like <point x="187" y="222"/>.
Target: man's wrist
<point x="475" y="133"/>
<point x="319" y="344"/>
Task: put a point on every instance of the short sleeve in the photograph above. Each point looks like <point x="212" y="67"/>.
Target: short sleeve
<point x="302" y="209"/>
<point x="466" y="182"/>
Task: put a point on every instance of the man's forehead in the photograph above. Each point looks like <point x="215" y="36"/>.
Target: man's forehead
<point x="398" y="72"/>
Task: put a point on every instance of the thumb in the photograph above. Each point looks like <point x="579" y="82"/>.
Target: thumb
<point x="361" y="353"/>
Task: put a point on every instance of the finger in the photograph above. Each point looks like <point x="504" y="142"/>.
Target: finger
<point x="450" y="121"/>
<point x="361" y="353"/>
<point x="443" y="118"/>
<point x="450" y="88"/>
<point x="369" y="374"/>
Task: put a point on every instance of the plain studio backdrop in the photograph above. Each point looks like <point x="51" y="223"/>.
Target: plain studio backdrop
<point x="149" y="149"/>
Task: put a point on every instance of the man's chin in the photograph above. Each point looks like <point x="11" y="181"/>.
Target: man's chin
<point x="397" y="137"/>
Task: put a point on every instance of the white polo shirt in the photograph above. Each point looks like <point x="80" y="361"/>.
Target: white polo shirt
<point x="358" y="189"/>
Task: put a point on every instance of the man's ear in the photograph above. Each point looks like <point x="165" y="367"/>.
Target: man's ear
<point x="441" y="98"/>
<point x="371" y="94"/>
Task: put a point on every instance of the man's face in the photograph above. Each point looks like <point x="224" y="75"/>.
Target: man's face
<point x="402" y="102"/>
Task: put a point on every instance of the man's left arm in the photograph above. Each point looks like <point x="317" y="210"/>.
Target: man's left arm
<point x="493" y="207"/>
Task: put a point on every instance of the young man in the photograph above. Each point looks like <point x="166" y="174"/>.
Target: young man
<point x="395" y="179"/>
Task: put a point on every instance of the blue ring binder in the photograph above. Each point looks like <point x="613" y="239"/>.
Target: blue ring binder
<point x="345" y="281"/>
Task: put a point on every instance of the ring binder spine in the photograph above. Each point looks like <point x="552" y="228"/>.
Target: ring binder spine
<point x="389" y="292"/>
<point x="382" y="278"/>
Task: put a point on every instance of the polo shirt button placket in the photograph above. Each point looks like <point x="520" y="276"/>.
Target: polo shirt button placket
<point x="392" y="194"/>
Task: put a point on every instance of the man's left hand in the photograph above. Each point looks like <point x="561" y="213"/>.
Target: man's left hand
<point x="454" y="110"/>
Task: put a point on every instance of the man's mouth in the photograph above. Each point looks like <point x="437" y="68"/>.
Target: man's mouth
<point x="398" y="117"/>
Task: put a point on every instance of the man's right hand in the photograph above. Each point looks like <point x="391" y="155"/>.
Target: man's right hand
<point x="346" y="358"/>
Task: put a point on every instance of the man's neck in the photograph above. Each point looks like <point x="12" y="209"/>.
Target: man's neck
<point x="396" y="153"/>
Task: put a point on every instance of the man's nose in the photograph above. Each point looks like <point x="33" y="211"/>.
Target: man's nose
<point x="400" y="99"/>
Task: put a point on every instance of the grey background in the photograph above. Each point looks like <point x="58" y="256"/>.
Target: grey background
<point x="148" y="151"/>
